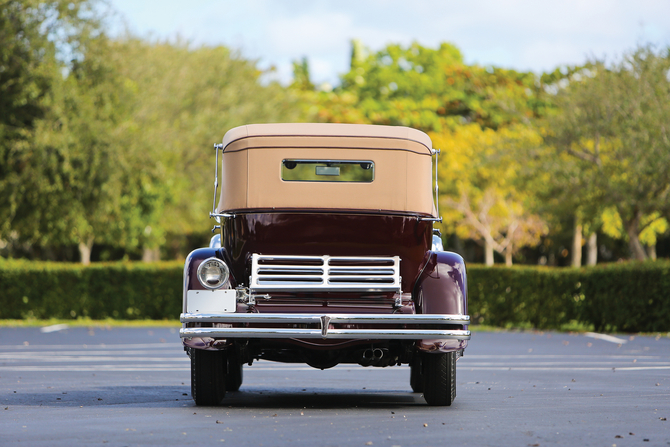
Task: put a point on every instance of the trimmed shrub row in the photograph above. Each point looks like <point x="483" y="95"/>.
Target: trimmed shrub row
<point x="116" y="290"/>
<point x="628" y="297"/>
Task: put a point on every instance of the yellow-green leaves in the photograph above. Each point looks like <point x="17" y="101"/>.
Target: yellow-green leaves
<point x="613" y="124"/>
<point x="481" y="200"/>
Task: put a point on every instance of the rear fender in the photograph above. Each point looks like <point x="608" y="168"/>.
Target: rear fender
<point x="442" y="288"/>
<point x="193" y="261"/>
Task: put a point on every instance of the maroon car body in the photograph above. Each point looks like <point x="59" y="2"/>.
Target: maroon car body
<point x="325" y="254"/>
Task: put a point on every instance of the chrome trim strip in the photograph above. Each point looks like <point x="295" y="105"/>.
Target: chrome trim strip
<point x="349" y="334"/>
<point x="334" y="318"/>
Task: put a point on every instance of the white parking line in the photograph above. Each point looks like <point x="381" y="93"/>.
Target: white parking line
<point x="53" y="328"/>
<point x="131" y="346"/>
<point x="93" y="368"/>
<point x="605" y="337"/>
<point x="565" y="368"/>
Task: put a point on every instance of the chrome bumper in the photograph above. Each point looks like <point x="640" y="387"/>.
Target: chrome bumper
<point x="324" y="329"/>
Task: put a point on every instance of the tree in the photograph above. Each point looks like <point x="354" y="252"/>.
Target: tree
<point x="480" y="198"/>
<point x="185" y="99"/>
<point x="429" y="89"/>
<point x="468" y="111"/>
<point x="301" y="77"/>
<point x="79" y="183"/>
<point x="36" y="39"/>
<point x="613" y="123"/>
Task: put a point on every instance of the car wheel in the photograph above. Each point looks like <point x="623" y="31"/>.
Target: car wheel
<point x="208" y="376"/>
<point x="235" y="373"/>
<point x="416" y="374"/>
<point x="439" y="372"/>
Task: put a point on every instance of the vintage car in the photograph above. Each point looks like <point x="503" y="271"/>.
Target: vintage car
<point x="325" y="253"/>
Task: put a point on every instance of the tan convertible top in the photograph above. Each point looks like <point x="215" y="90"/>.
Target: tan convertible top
<point x="253" y="156"/>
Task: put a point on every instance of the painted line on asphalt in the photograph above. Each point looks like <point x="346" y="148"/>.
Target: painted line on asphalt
<point x="86" y="346"/>
<point x="105" y="350"/>
<point x="98" y="368"/>
<point x="605" y="337"/>
<point x="98" y="360"/>
<point x="90" y="354"/>
<point x="172" y="368"/>
<point x="579" y="368"/>
<point x="560" y="364"/>
<point x="560" y="356"/>
<point x="53" y="328"/>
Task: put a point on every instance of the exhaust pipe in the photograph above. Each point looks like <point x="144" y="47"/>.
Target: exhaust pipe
<point x="368" y="355"/>
<point x="374" y="357"/>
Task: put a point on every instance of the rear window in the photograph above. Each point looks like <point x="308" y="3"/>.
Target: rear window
<point x="358" y="171"/>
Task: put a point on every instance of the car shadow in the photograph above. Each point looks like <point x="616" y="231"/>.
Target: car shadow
<point x="320" y="398"/>
<point x="247" y="397"/>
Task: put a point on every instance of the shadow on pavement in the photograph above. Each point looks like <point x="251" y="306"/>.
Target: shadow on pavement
<point x="250" y="397"/>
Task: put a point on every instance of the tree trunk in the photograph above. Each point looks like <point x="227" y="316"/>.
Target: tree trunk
<point x="85" y="251"/>
<point x="508" y="255"/>
<point x="488" y="252"/>
<point x="636" y="248"/>
<point x="592" y="249"/>
<point x="651" y="252"/>
<point x="577" y="244"/>
<point x="151" y="254"/>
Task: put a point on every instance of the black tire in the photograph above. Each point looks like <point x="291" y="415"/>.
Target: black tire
<point x="235" y="373"/>
<point x="208" y="376"/>
<point x="416" y="374"/>
<point x="439" y="378"/>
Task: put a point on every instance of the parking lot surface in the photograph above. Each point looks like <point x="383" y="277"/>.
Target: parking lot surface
<point x="131" y="386"/>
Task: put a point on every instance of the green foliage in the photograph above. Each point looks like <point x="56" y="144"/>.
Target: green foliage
<point x="184" y="100"/>
<point x="35" y="37"/>
<point x="301" y="76"/>
<point x="483" y="201"/>
<point x="613" y="148"/>
<point x="77" y="185"/>
<point x="121" y="291"/>
<point x="429" y="89"/>
<point x="628" y="297"/>
<point x="102" y="149"/>
<point x="106" y="141"/>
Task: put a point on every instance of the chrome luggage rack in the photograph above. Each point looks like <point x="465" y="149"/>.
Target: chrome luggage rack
<point x="324" y="273"/>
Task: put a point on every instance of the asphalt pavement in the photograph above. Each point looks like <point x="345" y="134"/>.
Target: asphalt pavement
<point x="130" y="386"/>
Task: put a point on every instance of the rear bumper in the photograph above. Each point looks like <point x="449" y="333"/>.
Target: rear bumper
<point x="333" y="326"/>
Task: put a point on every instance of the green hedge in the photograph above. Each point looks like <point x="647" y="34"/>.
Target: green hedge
<point x="629" y="297"/>
<point x="115" y="290"/>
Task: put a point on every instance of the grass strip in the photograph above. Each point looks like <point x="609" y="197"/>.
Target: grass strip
<point x="87" y="322"/>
